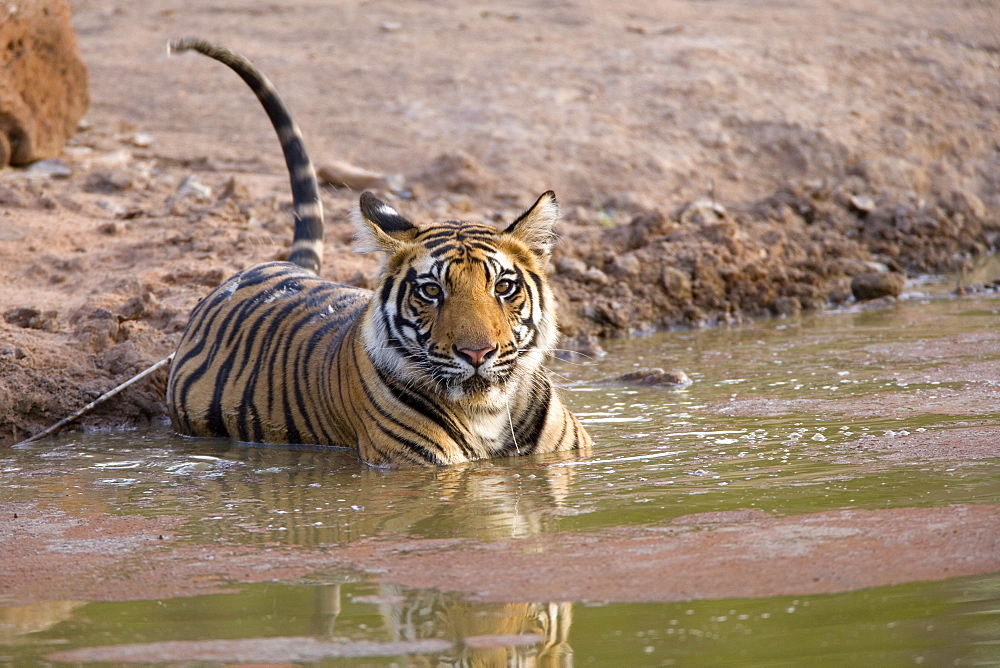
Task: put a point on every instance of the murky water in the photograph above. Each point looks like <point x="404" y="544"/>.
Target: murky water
<point x="953" y="622"/>
<point x="659" y="454"/>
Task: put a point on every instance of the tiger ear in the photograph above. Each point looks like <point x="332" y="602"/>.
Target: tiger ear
<point x="379" y="227"/>
<point x="534" y="227"/>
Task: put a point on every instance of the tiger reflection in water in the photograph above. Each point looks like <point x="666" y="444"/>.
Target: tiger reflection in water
<point x="482" y="634"/>
<point x="480" y="501"/>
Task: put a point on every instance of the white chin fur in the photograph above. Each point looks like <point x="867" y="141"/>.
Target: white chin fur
<point x="492" y="398"/>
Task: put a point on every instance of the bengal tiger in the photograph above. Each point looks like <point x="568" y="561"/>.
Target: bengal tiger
<point x="441" y="363"/>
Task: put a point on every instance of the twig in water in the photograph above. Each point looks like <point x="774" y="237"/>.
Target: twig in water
<point x="99" y="400"/>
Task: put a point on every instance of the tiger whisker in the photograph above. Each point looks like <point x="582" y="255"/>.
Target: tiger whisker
<point x="510" y="420"/>
<point x="567" y="361"/>
<point x="556" y="350"/>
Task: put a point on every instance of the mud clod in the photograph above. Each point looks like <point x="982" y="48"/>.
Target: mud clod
<point x="30" y="317"/>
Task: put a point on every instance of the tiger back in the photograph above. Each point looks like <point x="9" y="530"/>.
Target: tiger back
<point x="441" y="363"/>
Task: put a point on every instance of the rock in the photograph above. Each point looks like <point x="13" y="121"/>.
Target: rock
<point x="572" y="267"/>
<point x="30" y="317"/>
<point x="43" y="82"/>
<point x="192" y="187"/>
<point x="137" y="307"/>
<point x="586" y="345"/>
<point x="345" y="175"/>
<point x="862" y="203"/>
<point x="786" y="306"/>
<point x="53" y="167"/>
<point x="677" y="284"/>
<point x="109" y="181"/>
<point x="141" y="139"/>
<point x="641" y="229"/>
<point x="874" y="285"/>
<point x="657" y="377"/>
<point x="99" y="329"/>
<point x="625" y="265"/>
<point x="701" y="212"/>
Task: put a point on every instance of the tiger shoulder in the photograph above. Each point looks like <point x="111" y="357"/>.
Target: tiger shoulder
<point x="442" y="362"/>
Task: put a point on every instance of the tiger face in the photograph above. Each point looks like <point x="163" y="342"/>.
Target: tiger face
<point x="462" y="310"/>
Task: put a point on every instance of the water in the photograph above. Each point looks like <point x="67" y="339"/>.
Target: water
<point x="660" y="454"/>
<point x="940" y="623"/>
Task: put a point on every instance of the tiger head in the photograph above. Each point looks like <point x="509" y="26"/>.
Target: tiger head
<point x="461" y="310"/>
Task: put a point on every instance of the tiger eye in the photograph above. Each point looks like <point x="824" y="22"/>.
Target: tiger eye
<point x="504" y="287"/>
<point x="430" y="291"/>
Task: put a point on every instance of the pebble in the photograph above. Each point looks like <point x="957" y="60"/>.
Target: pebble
<point x="874" y="285"/>
<point x="863" y="203"/>
<point x="195" y="188"/>
<point x="141" y="139"/>
<point x="53" y="167"/>
<point x="656" y="376"/>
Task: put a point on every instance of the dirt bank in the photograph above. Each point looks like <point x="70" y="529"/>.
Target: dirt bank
<point x="715" y="162"/>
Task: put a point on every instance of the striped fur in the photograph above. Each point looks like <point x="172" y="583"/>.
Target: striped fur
<point x="442" y="363"/>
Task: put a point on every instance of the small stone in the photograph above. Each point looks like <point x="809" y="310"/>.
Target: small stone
<point x="874" y="285"/>
<point x="786" y="306"/>
<point x="22" y="316"/>
<point x="571" y="266"/>
<point x="137" y="308"/>
<point x="113" y="208"/>
<point x="141" y="139"/>
<point x="109" y="181"/>
<point x="594" y="275"/>
<point x="53" y="167"/>
<point x="677" y="284"/>
<point x="625" y="265"/>
<point x="586" y="345"/>
<point x="30" y="317"/>
<point x="656" y="376"/>
<point x="862" y="203"/>
<point x="192" y="187"/>
<point x="702" y="212"/>
<point x="341" y="174"/>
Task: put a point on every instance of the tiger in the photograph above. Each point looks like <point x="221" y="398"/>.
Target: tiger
<point x="442" y="362"/>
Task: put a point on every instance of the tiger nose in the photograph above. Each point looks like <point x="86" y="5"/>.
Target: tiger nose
<point x="476" y="356"/>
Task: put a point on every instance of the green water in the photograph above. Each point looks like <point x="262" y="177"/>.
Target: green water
<point x="659" y="454"/>
<point x="953" y="622"/>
